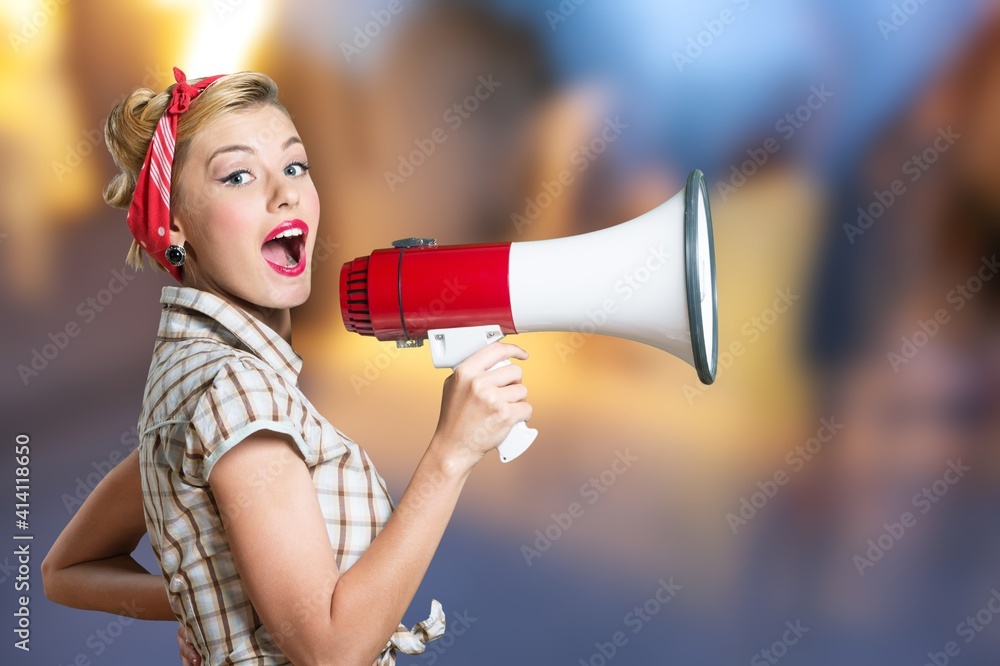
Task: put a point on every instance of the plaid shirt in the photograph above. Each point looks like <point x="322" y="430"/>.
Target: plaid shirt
<point x="217" y="376"/>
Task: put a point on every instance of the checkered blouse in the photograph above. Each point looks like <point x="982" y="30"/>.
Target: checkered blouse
<point x="217" y="375"/>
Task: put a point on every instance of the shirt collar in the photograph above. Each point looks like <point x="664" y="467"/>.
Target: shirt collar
<point x="226" y="322"/>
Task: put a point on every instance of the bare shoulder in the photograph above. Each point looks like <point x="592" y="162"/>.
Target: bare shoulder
<point x="260" y="466"/>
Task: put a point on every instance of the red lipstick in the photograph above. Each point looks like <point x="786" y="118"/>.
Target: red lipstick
<point x="284" y="249"/>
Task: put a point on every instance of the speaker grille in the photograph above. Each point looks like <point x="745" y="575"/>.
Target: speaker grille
<point x="354" y="297"/>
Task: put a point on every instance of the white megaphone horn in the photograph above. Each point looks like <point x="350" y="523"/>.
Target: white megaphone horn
<point x="651" y="279"/>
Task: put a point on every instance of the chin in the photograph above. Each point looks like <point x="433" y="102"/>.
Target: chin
<point x="302" y="296"/>
<point x="288" y="296"/>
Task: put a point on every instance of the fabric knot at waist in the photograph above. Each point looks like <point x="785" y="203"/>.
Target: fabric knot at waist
<point x="411" y="641"/>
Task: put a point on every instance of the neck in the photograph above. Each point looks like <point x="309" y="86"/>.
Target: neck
<point x="278" y="320"/>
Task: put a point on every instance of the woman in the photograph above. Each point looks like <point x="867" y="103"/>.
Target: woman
<point x="277" y="538"/>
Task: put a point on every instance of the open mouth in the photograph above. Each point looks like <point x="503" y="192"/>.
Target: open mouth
<point x="285" y="247"/>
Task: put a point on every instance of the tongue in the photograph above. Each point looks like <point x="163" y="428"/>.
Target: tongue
<point x="274" y="251"/>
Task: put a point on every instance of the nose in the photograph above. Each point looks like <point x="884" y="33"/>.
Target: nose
<point x="284" y="195"/>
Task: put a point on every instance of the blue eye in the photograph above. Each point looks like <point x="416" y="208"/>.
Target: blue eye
<point x="238" y="178"/>
<point x="296" y="169"/>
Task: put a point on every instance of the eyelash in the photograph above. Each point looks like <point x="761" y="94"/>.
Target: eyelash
<point x="227" y="180"/>
<point x="304" y="165"/>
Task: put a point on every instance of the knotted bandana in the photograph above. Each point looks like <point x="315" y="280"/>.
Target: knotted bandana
<point x="149" y="212"/>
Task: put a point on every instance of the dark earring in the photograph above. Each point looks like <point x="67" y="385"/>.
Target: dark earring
<point x="176" y="255"/>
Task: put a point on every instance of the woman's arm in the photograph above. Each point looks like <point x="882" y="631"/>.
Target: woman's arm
<point x="90" y="565"/>
<point x="279" y="538"/>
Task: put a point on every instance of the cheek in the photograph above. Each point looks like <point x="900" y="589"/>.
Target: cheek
<point x="311" y="199"/>
<point x="220" y="226"/>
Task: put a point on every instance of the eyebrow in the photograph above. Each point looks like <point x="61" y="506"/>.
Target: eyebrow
<point x="240" y="148"/>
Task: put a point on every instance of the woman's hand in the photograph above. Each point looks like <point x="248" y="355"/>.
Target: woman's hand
<point x="189" y="657"/>
<point x="479" y="405"/>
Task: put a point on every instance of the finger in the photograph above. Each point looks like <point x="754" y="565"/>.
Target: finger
<point x="493" y="353"/>
<point x="189" y="656"/>
<point x="505" y="375"/>
<point x="520" y="411"/>
<point x="181" y="646"/>
<point x="513" y="393"/>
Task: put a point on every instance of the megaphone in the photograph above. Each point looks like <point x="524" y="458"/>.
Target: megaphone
<point x="651" y="279"/>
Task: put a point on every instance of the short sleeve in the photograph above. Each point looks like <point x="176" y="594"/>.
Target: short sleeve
<point x="243" y="398"/>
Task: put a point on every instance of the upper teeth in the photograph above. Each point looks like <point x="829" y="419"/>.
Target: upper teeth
<point x="289" y="232"/>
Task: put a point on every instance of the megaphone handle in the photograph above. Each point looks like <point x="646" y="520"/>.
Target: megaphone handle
<point x="520" y="437"/>
<point x="451" y="346"/>
<point x="517" y="442"/>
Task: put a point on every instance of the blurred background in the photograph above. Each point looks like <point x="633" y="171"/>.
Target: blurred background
<point x="853" y="155"/>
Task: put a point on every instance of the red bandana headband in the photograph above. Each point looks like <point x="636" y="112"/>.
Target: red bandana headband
<point x="149" y="212"/>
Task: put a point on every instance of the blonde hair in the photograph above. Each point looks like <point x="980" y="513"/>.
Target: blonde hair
<point x="129" y="130"/>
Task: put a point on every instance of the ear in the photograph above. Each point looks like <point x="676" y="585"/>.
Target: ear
<point x="177" y="228"/>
